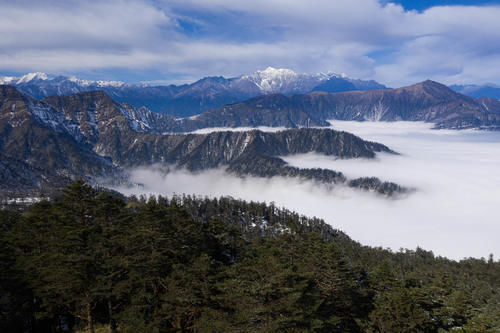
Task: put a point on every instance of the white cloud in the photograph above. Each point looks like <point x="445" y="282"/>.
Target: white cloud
<point x="450" y="44"/>
<point x="453" y="213"/>
<point x="74" y="35"/>
<point x="119" y="24"/>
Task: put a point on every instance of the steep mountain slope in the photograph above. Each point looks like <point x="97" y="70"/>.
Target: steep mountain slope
<point x="131" y="137"/>
<point x="426" y="101"/>
<point x="202" y="151"/>
<point x="255" y="153"/>
<point x="253" y="113"/>
<point x="83" y="134"/>
<point x="94" y="110"/>
<point x="184" y="100"/>
<point x="40" y="149"/>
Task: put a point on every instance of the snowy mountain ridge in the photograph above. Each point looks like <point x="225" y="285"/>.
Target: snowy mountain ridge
<point x="282" y="80"/>
<point x="36" y="77"/>
<point x="191" y="99"/>
<point x="269" y="80"/>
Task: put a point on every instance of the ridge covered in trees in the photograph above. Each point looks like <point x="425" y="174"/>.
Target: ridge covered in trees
<point x="92" y="260"/>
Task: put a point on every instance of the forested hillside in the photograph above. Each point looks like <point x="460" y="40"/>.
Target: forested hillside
<point x="91" y="260"/>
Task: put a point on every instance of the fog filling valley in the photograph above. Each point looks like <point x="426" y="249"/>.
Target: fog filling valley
<point x="454" y="212"/>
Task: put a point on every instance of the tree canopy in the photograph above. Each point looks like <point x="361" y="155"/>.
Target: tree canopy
<point x="92" y="260"/>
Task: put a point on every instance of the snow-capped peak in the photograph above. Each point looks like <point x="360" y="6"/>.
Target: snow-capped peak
<point x="7" y="79"/>
<point x="272" y="80"/>
<point x="78" y="81"/>
<point x="38" y="76"/>
<point x="32" y="76"/>
<point x="101" y="83"/>
<point x="24" y="79"/>
<point x="283" y="80"/>
<point x="276" y="72"/>
<point x="271" y="73"/>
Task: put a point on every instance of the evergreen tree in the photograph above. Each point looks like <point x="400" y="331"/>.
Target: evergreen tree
<point x="92" y="258"/>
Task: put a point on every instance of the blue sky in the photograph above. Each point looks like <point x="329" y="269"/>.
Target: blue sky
<point x="174" y="41"/>
<point x="425" y="4"/>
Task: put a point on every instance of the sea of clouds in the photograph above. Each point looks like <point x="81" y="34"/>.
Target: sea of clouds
<point x="455" y="211"/>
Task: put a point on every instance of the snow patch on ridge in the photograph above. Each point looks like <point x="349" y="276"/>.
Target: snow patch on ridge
<point x="49" y="117"/>
<point x="32" y="76"/>
<point x="39" y="76"/>
<point x="281" y="80"/>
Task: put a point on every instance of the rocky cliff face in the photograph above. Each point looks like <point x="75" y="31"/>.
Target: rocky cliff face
<point x="40" y="149"/>
<point x="95" y="111"/>
<point x="202" y="151"/>
<point x="253" y="153"/>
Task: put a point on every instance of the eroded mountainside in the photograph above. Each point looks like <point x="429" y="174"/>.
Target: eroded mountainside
<point x="49" y="142"/>
<point x="243" y="153"/>
<point x="40" y="149"/>
<point x="90" y="135"/>
<point x="426" y="101"/>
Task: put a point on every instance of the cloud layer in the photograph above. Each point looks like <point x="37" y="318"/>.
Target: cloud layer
<point x="194" y="38"/>
<point x="453" y="213"/>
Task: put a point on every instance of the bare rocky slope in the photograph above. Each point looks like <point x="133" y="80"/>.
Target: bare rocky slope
<point x="40" y="149"/>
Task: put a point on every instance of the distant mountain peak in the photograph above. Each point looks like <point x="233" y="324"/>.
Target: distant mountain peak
<point x="270" y="76"/>
<point x="32" y="76"/>
<point x="43" y="78"/>
<point x="432" y="83"/>
<point x="98" y="83"/>
<point x="37" y="76"/>
<point x="191" y="99"/>
<point x="271" y="71"/>
<point x="283" y="80"/>
<point x="428" y="86"/>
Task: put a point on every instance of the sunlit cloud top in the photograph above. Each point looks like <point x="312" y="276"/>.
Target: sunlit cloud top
<point x="396" y="43"/>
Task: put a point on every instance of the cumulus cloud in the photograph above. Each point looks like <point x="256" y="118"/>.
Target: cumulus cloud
<point x="193" y="38"/>
<point x="453" y="212"/>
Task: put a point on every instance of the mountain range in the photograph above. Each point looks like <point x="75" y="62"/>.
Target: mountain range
<point x="46" y="144"/>
<point x="191" y="99"/>
<point x="427" y="101"/>
<point x="279" y="97"/>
